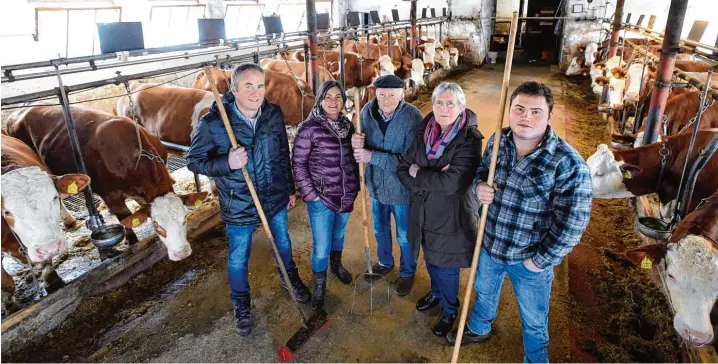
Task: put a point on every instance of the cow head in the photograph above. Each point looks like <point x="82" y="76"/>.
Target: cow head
<point x="616" y="87"/>
<point x="370" y="71"/>
<point x="387" y="66"/>
<point x="429" y="52"/>
<point x="221" y="78"/>
<point x="607" y="174"/>
<point x="692" y="282"/>
<point x="31" y="207"/>
<point x="417" y="71"/>
<point x="589" y="54"/>
<point x="168" y="215"/>
<point x="619" y="73"/>
<point x="575" y="67"/>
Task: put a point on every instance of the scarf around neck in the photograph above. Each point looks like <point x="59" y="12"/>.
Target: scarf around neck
<point x="340" y="126"/>
<point x="435" y="142"/>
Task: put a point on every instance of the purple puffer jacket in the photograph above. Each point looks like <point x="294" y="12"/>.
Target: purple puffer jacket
<point x="324" y="166"/>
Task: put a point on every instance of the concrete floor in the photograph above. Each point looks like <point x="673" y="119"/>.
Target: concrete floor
<point x="195" y="325"/>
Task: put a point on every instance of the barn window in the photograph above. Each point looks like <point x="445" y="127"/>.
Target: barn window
<point x="71" y="32"/>
<point x="173" y="24"/>
<point x="243" y="19"/>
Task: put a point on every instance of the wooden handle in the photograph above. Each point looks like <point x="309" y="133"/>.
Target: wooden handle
<point x="490" y="182"/>
<point x="362" y="167"/>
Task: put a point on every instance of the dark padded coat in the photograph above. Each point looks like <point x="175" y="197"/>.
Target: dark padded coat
<point x="268" y="164"/>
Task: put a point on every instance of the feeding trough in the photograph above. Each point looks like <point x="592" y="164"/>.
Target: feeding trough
<point x="620" y="145"/>
<point x="108" y="235"/>
<point x="654" y="228"/>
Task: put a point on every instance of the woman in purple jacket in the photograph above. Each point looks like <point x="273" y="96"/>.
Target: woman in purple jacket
<point x="328" y="180"/>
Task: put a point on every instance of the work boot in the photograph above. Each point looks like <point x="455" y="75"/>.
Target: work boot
<point x="404" y="285"/>
<point x="242" y="315"/>
<point x="335" y="265"/>
<point x="301" y="292"/>
<point x="444" y="324"/>
<point x="427" y="302"/>
<point x="380" y="270"/>
<point x="468" y="337"/>
<point x="320" y="289"/>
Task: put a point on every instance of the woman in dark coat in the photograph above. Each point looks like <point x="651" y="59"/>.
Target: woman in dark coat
<point x="328" y="180"/>
<point x="438" y="171"/>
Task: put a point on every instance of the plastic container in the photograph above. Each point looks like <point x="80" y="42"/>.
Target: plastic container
<point x="491" y="57"/>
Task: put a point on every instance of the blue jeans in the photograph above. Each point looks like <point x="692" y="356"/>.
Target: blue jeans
<point x="533" y="292"/>
<point x="327" y="233"/>
<point x="382" y="230"/>
<point x="240" y="243"/>
<point x="445" y="286"/>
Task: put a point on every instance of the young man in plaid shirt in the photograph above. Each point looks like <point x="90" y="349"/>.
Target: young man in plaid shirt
<point x="539" y="208"/>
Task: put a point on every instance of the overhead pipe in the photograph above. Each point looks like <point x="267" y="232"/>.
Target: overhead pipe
<point x="661" y="88"/>
<point x="617" y="16"/>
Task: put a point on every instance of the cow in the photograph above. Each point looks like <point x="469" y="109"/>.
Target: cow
<point x="637" y="172"/>
<point x="589" y="54"/>
<point x="442" y="58"/>
<point x="428" y="54"/>
<point x="290" y="94"/>
<point x="386" y="66"/>
<point x="703" y="77"/>
<point x="32" y="209"/>
<point x="417" y="72"/>
<point x="453" y="56"/>
<point x="118" y="167"/>
<point x="691" y="270"/>
<point x="358" y="71"/>
<point x="692" y="66"/>
<point x="293" y="68"/>
<point x="167" y="112"/>
<point x="576" y="67"/>
<point x="635" y="80"/>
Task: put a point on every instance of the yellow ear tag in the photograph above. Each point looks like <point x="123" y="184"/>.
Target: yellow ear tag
<point x="585" y="74"/>
<point x="198" y="203"/>
<point x="646" y="263"/>
<point x="135" y="222"/>
<point x="72" y="188"/>
<point x="600" y="83"/>
<point x="627" y="175"/>
<point x="617" y="75"/>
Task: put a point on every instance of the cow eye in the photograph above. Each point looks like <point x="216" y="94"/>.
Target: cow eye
<point x="670" y="276"/>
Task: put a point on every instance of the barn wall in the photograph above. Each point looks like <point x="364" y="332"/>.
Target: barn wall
<point x="579" y="30"/>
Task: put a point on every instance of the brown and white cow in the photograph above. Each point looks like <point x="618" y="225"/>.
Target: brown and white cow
<point x="691" y="257"/>
<point x="281" y="89"/>
<point x="358" y="71"/>
<point x="167" y="112"/>
<point x="293" y="68"/>
<point x="111" y="151"/>
<point x="692" y="66"/>
<point x="635" y="172"/>
<point x="32" y="210"/>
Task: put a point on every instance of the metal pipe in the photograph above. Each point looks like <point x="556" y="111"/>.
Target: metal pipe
<point x="661" y="88"/>
<point x="314" y="60"/>
<point x="174" y="146"/>
<point x="341" y="62"/>
<point x="306" y="64"/>
<point x="414" y="42"/>
<point x="684" y="194"/>
<point x="95" y="220"/>
<point x="617" y="16"/>
<point x="639" y="105"/>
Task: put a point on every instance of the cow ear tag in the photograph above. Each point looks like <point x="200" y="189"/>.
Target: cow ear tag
<point x="72" y="188"/>
<point x="135" y="222"/>
<point x="627" y="175"/>
<point x="646" y="263"/>
<point x="198" y="203"/>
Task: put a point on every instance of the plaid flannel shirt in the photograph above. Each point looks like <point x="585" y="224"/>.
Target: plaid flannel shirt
<point x="543" y="202"/>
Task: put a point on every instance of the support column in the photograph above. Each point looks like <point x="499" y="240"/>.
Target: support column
<point x="672" y="35"/>
<point x="312" y="30"/>
<point x="414" y="38"/>
<point x="617" y="17"/>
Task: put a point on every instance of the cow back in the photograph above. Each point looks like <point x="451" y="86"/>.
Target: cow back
<point x="283" y="91"/>
<point x="109" y="147"/>
<point x="16" y="155"/>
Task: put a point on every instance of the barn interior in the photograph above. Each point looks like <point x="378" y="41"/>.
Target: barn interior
<point x="132" y="303"/>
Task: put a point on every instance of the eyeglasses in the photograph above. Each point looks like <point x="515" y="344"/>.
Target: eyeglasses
<point x="441" y="104"/>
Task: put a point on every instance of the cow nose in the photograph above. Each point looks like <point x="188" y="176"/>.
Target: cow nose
<point x="697" y="338"/>
<point x="49" y="250"/>
<point x="182" y="254"/>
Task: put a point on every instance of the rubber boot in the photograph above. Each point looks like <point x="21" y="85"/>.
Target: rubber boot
<point x="320" y="289"/>
<point x="335" y="265"/>
<point x="242" y="315"/>
<point x="301" y="292"/>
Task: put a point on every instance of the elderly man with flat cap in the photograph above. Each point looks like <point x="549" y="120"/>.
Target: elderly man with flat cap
<point x="388" y="124"/>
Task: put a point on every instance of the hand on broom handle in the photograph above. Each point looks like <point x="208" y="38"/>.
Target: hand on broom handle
<point x="252" y="190"/>
<point x="490" y="182"/>
<point x="362" y="189"/>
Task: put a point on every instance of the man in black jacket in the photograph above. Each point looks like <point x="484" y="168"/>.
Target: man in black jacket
<point x="259" y="126"/>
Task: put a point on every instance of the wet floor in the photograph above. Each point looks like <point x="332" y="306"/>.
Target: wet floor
<point x="195" y="323"/>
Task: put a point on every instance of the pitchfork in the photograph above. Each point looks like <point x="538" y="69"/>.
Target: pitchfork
<point x="369" y="275"/>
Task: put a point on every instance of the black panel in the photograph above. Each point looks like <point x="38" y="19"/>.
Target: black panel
<point x="211" y="29"/>
<point x="122" y="36"/>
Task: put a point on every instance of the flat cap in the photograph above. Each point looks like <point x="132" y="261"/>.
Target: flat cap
<point x="389" y="81"/>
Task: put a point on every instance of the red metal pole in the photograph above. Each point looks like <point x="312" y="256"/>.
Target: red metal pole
<point x="661" y="88"/>
<point x="414" y="38"/>
<point x="313" y="49"/>
<point x="617" y="17"/>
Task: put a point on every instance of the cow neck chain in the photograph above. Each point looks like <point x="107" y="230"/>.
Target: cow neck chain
<point x="143" y="152"/>
<point x="664" y="153"/>
<point x="23" y="251"/>
<point x="296" y="82"/>
<point x="693" y="119"/>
